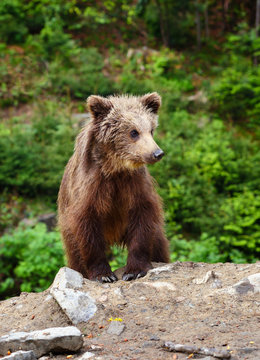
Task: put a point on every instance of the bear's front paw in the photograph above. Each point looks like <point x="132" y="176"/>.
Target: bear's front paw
<point x="135" y="270"/>
<point x="102" y="273"/>
<point x="105" y="278"/>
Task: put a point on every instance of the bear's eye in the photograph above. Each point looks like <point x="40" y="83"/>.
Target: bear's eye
<point x="134" y="134"/>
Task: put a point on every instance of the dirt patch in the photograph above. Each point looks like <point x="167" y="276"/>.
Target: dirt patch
<point x="31" y="311"/>
<point x="188" y="303"/>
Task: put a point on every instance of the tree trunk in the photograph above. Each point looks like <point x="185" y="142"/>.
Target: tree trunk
<point x="257" y="23"/>
<point x="163" y="26"/>
<point x="206" y="15"/>
<point x="198" y="27"/>
<point x="224" y="17"/>
<point x="257" y="16"/>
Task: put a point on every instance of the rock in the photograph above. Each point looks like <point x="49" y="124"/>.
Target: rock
<point x="210" y="275"/>
<point x="118" y="291"/>
<point x="248" y="353"/>
<point x="103" y="298"/>
<point x="250" y="284"/>
<point x="158" y="288"/>
<point x="49" y="219"/>
<point x="243" y="286"/>
<point x="160" y="269"/>
<point x="81" y="119"/>
<point x="180" y="299"/>
<point x="79" y="306"/>
<point x="43" y="341"/>
<point x="86" y="355"/>
<point x="138" y="351"/>
<point x="21" y="355"/>
<point x="198" y="97"/>
<point x="30" y="222"/>
<point x="68" y="279"/>
<point x="96" y="347"/>
<point x="217" y="284"/>
<point x="48" y="298"/>
<point x="161" y="285"/>
<point x="147" y="344"/>
<point x="116" y="328"/>
<point x="255" y="281"/>
<point x="154" y="338"/>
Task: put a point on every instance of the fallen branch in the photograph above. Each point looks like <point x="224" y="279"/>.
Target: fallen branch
<point x="221" y="354"/>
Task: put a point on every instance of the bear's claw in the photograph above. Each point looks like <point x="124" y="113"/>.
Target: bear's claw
<point x="129" y="277"/>
<point x="107" y="279"/>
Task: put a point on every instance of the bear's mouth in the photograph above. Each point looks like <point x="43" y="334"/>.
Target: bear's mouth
<point x="151" y="161"/>
<point x="132" y="165"/>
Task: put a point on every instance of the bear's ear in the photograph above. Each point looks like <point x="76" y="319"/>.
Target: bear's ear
<point x="152" y="101"/>
<point x="98" y="106"/>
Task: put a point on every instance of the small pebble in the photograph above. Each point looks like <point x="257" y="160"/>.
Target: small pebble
<point x="138" y="351"/>
<point x="116" y="328"/>
<point x="147" y="344"/>
<point x="154" y="338"/>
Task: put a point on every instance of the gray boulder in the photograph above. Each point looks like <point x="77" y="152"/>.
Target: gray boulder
<point x="43" y="341"/>
<point x="78" y="306"/>
<point x="21" y="355"/>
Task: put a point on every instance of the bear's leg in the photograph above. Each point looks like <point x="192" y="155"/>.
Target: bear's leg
<point x="139" y="243"/>
<point x="138" y="261"/>
<point x="73" y="253"/>
<point x="92" y="250"/>
<point x="99" y="269"/>
<point x="160" y="252"/>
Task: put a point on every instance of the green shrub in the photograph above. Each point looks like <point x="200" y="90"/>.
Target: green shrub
<point x="203" y="180"/>
<point x="236" y="96"/>
<point x="33" y="156"/>
<point x="244" y="42"/>
<point x="240" y="236"/>
<point x="20" y="18"/>
<point x="13" y="28"/>
<point x="81" y="76"/>
<point x="204" y="249"/>
<point x="11" y="209"/>
<point x="28" y="73"/>
<point x="146" y="71"/>
<point x="30" y="258"/>
<point x="19" y="77"/>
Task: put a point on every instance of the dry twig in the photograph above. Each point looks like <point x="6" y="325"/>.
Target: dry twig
<point x="221" y="354"/>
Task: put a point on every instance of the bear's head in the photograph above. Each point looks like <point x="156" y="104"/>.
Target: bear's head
<point x="123" y="127"/>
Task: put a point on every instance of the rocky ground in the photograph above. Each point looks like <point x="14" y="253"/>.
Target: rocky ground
<point x="207" y="305"/>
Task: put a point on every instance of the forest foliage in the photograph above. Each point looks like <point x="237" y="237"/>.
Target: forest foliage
<point x="202" y="57"/>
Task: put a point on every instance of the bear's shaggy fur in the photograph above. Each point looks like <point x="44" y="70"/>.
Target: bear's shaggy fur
<point x="107" y="195"/>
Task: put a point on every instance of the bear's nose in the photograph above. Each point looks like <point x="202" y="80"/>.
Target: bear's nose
<point x="158" y="154"/>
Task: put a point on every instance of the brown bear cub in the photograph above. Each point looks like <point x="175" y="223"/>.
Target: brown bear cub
<point x="107" y="195"/>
